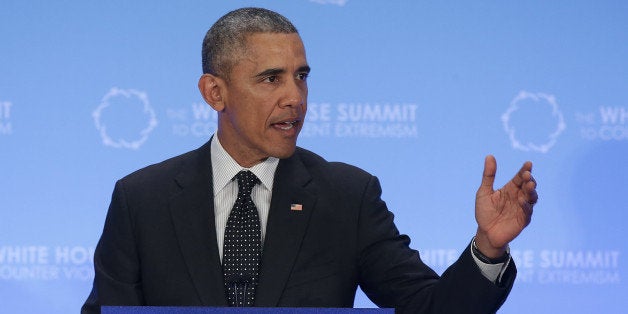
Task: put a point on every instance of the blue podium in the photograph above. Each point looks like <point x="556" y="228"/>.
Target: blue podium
<point x="235" y="310"/>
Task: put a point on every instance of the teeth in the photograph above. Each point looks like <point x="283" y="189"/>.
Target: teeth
<point x="287" y="125"/>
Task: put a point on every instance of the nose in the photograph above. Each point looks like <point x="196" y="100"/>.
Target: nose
<point x="295" y="94"/>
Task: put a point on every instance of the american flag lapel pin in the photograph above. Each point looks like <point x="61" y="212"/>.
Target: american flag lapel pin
<point x="298" y="207"/>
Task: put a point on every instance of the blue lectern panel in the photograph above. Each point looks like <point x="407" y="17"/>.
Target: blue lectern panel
<point x="235" y="310"/>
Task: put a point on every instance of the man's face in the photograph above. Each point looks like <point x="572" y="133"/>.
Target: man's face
<point x="264" y="99"/>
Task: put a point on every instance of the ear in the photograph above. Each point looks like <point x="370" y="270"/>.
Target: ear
<point x="211" y="88"/>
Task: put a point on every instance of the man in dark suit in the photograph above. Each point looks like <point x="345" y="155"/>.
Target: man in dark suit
<point x="318" y="229"/>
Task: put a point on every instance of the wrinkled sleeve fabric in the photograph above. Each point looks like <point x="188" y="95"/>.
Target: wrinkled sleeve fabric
<point x="393" y="275"/>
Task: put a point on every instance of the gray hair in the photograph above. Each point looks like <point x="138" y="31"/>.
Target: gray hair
<point x="226" y="39"/>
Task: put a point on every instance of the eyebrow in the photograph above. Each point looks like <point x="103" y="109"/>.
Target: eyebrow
<point x="277" y="71"/>
<point x="305" y="68"/>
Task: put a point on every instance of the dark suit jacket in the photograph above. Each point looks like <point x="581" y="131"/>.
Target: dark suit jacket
<point x="158" y="245"/>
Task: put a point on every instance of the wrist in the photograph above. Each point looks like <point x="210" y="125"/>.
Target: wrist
<point x="502" y="258"/>
<point x="486" y="248"/>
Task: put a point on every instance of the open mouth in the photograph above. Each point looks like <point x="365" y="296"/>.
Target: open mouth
<point x="287" y="125"/>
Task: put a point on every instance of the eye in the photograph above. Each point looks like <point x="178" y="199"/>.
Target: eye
<point x="271" y="79"/>
<point x="303" y="76"/>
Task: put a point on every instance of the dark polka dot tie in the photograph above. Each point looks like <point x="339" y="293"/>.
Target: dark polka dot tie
<point x="242" y="246"/>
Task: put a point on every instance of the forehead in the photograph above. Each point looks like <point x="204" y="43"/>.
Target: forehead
<point x="266" y="49"/>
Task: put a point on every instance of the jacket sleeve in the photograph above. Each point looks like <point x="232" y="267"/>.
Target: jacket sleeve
<point x="117" y="279"/>
<point x="393" y="275"/>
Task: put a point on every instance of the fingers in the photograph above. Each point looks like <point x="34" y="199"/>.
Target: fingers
<point x="528" y="195"/>
<point x="522" y="184"/>
<point x="524" y="175"/>
<point x="488" y="176"/>
<point x="529" y="192"/>
<point x="528" y="183"/>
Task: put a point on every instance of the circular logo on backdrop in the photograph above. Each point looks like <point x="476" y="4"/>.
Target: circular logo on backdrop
<point x="533" y="122"/>
<point x="124" y="118"/>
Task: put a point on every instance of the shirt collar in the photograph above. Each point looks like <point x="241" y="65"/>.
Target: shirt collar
<point x="224" y="167"/>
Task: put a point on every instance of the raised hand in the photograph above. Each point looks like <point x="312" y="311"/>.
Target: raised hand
<point x="502" y="214"/>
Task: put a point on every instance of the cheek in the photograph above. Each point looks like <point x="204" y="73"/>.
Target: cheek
<point x="253" y="111"/>
<point x="256" y="117"/>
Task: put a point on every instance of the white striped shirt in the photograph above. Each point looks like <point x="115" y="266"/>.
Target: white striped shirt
<point x="224" y="169"/>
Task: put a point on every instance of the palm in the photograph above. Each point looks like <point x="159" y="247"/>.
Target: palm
<point x="502" y="214"/>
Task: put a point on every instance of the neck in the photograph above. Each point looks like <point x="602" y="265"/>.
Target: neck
<point x="242" y="157"/>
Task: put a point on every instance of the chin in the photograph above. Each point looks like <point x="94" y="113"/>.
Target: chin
<point x="283" y="152"/>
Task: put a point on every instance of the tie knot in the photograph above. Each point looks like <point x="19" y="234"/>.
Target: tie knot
<point x="246" y="181"/>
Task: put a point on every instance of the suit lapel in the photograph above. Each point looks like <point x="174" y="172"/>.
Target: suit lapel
<point x="192" y="211"/>
<point x="285" y="228"/>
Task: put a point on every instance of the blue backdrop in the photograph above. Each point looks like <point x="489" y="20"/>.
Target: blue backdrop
<point x="415" y="92"/>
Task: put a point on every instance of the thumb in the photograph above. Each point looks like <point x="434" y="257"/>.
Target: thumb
<point x="488" y="176"/>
